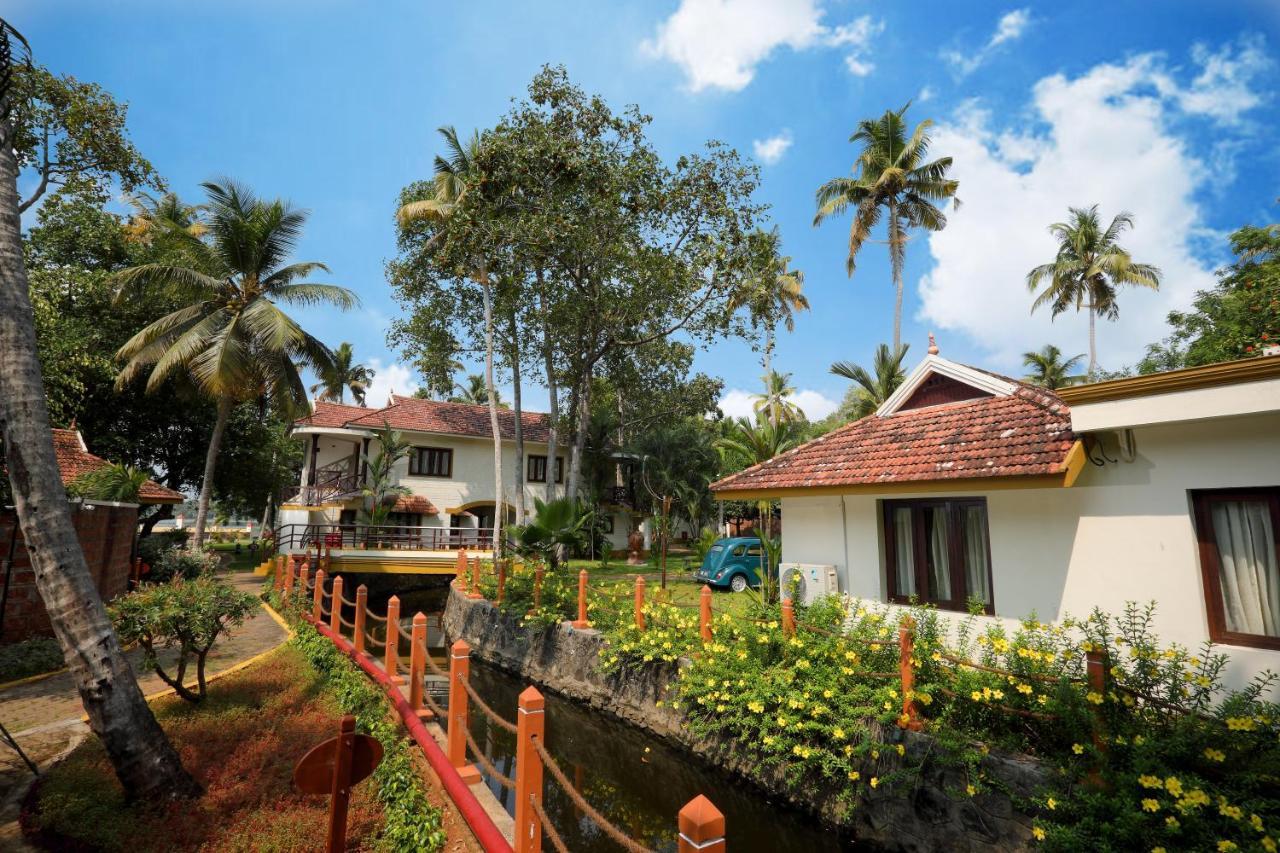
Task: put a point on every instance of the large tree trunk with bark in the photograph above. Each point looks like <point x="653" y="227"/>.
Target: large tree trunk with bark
<point x="521" y="508"/>
<point x="487" y="292"/>
<point x="210" y="464"/>
<point x="582" y="422"/>
<point x="1093" y="341"/>
<point x="144" y="761"/>
<point x="553" y="394"/>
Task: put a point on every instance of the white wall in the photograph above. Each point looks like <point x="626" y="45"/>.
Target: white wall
<point x="1124" y="532"/>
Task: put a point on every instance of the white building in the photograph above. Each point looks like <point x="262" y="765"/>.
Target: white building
<point x="969" y="485"/>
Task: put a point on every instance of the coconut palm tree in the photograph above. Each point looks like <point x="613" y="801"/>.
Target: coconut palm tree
<point x="1049" y="369"/>
<point x="450" y="188"/>
<point x="344" y="376"/>
<point x="775" y="294"/>
<point x="745" y="443"/>
<point x="474" y="392"/>
<point x="775" y="403"/>
<point x="1088" y="270"/>
<point x="153" y="217"/>
<point x="872" y="388"/>
<point x="231" y="341"/>
<point x="892" y="178"/>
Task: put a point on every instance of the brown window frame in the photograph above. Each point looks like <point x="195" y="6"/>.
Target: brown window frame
<point x="955" y="557"/>
<point x="1211" y="567"/>
<point x="541" y="477"/>
<point x="416" y="467"/>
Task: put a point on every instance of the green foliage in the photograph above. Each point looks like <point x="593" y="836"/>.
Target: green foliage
<point x="152" y="548"/>
<point x="411" y="822"/>
<point x="1237" y="318"/>
<point x="556" y="526"/>
<point x="111" y="482"/>
<point x="344" y="375"/>
<point x="1049" y="369"/>
<point x="381" y="487"/>
<point x="30" y="657"/>
<point x="176" y="561"/>
<point x="189" y="615"/>
<point x="871" y="388"/>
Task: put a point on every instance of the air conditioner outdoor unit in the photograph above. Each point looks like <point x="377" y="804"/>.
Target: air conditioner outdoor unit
<point x="810" y="581"/>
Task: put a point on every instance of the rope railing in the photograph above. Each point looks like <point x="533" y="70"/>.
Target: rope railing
<point x="623" y="840"/>
<point x="547" y="827"/>
<point x="1008" y="709"/>
<point x="368" y="638"/>
<point x="1029" y="676"/>
<point x="494" y="773"/>
<point x="489" y="713"/>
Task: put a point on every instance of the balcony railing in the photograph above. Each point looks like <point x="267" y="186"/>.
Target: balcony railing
<point x="620" y="496"/>
<point x="383" y="537"/>
<point x="328" y="487"/>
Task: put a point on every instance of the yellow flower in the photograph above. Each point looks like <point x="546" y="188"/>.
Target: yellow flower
<point x="1173" y="786"/>
<point x="1240" y="724"/>
<point x="875" y="781"/>
<point x="1150" y="805"/>
<point x="1269" y="844"/>
<point x="1232" y="812"/>
<point x="1051" y="803"/>
<point x="1038" y="833"/>
<point x="1171" y="821"/>
<point x="970" y="790"/>
<point x="1094" y="697"/>
<point x="1255" y="822"/>
<point x="854" y="774"/>
<point x="1148" y="781"/>
<point x="1157" y="850"/>
<point x="1224" y="846"/>
<point x="837" y="733"/>
<point x="902" y="750"/>
<point x="975" y="696"/>
<point x="1078" y="749"/>
<point x="1024" y="689"/>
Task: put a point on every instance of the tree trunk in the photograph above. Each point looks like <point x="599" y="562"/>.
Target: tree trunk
<point x="493" y="413"/>
<point x="521" y="508"/>
<point x="1093" y="341"/>
<point x="210" y="463"/>
<point x="144" y="761"/>
<point x="553" y="393"/>
<point x="582" y="418"/>
<point x="896" y="251"/>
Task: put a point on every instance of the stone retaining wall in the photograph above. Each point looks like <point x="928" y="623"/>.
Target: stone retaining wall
<point x="927" y="813"/>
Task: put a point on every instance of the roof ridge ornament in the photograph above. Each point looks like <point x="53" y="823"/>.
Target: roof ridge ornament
<point x="933" y="345"/>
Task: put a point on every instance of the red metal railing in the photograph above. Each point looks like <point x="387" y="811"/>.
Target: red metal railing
<point x="383" y="537"/>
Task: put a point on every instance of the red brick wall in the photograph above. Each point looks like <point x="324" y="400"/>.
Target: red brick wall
<point x="106" y="537"/>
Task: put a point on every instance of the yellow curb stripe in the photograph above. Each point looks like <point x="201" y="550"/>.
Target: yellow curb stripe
<point x="30" y="678"/>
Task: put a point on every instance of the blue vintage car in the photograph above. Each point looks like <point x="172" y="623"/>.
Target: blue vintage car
<point x="735" y="563"/>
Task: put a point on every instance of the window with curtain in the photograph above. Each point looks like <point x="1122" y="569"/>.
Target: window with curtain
<point x="1240" y="560"/>
<point x="431" y="462"/>
<point x="937" y="552"/>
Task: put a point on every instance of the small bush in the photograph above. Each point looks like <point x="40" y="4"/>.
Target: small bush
<point x="152" y="548"/>
<point x="187" y="614"/>
<point x="183" y="563"/>
<point x="30" y="657"/>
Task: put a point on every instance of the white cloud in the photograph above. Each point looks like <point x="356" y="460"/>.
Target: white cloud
<point x="926" y="94"/>
<point x="719" y="43"/>
<point x="1109" y="139"/>
<point x="770" y="150"/>
<point x="1222" y="90"/>
<point x="1010" y="27"/>
<point x="737" y="403"/>
<point x="389" y="378"/>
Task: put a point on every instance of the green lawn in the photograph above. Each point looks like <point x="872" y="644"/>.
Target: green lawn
<point x="245" y="561"/>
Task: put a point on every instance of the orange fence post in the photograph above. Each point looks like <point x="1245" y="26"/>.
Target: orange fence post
<point x="911" y="718"/>
<point x="1097" y="665"/>
<point x="392" y="661"/>
<point x="417" y="662"/>
<point x="788" y="618"/>
<point x="475" y="579"/>
<point x="704" y="613"/>
<point x="701" y="827"/>
<point x="288" y="579"/>
<point x="460" y="569"/>
<point x="531" y="722"/>
<point x="581" y="622"/>
<point x="317" y="599"/>
<point x="459" y="716"/>
<point x="279" y="561"/>
<point x="303" y="580"/>
<point x="335" y="606"/>
<point x="502" y="579"/>
<point x="537" y="586"/>
<point x="362" y="604"/>
<point x="640" y="602"/>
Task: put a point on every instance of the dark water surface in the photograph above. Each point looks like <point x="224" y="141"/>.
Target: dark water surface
<point x="634" y="779"/>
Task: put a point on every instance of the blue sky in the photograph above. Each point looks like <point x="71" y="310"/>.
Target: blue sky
<point x="1166" y="110"/>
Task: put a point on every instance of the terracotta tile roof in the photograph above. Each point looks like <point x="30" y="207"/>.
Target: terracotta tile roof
<point x="411" y="413"/>
<point x="74" y="460"/>
<point x="1025" y="433"/>
<point x="415" y="503"/>
<point x="328" y="414"/>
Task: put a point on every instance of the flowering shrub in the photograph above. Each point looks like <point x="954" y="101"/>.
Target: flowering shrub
<point x="183" y="563"/>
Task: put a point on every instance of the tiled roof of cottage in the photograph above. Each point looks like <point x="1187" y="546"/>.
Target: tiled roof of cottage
<point x="414" y="504"/>
<point x="74" y="460"/>
<point x="1025" y="433"/>
<point x="415" y="415"/>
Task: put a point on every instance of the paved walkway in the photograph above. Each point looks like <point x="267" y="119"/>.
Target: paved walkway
<point x="45" y="715"/>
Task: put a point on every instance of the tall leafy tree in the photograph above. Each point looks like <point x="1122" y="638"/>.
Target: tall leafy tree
<point x="1049" y="369"/>
<point x="344" y="375"/>
<point x="95" y="142"/>
<point x="1088" y="270"/>
<point x="776" y="403"/>
<point x="892" y="179"/>
<point x="872" y="387"/>
<point x="1237" y="318"/>
<point x="775" y="293"/>
<point x="231" y="340"/>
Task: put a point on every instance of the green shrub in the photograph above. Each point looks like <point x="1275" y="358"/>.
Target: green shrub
<point x="152" y="548"/>
<point x="411" y="822"/>
<point x="189" y="615"/>
<point x="183" y="563"/>
<point x="30" y="657"/>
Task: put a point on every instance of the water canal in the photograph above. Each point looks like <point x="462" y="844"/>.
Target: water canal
<point x="634" y="779"/>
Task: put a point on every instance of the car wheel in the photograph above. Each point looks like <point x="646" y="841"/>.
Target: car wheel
<point x="738" y="583"/>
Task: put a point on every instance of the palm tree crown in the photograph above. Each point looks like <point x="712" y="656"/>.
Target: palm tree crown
<point x="1049" y="369"/>
<point x="871" y="389"/>
<point x="450" y="179"/>
<point x="775" y="294"/>
<point x="776" y="403"/>
<point x="891" y="175"/>
<point x="475" y="392"/>
<point x="344" y="376"/>
<point x="1088" y="270"/>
